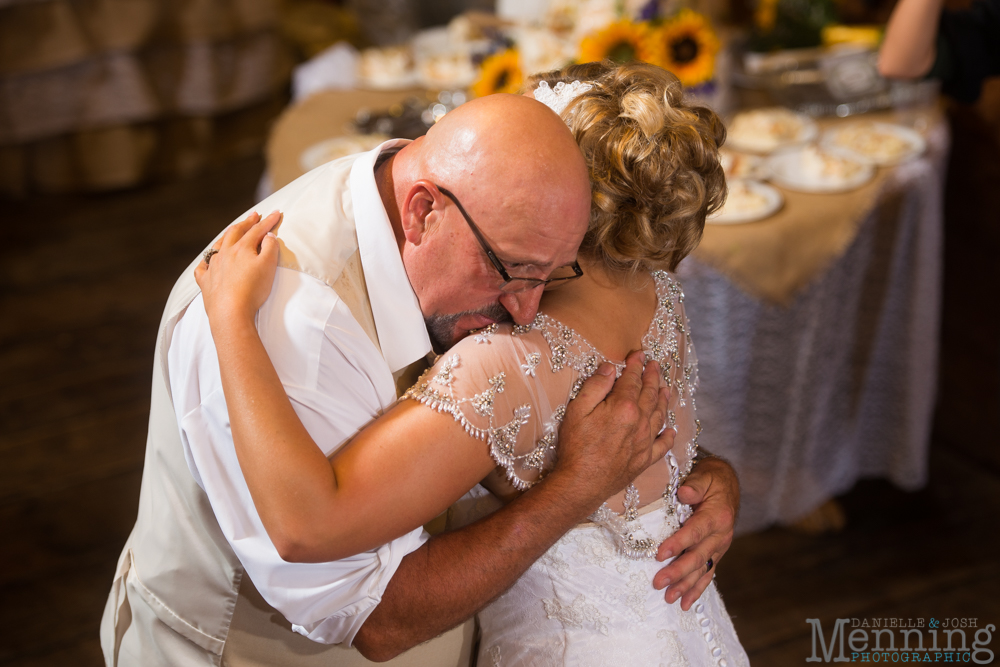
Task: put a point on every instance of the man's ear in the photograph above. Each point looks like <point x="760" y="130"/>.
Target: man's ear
<point x="421" y="211"/>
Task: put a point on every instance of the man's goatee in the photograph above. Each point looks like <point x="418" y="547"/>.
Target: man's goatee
<point x="441" y="328"/>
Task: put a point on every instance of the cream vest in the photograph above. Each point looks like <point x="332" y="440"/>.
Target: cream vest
<point x="179" y="595"/>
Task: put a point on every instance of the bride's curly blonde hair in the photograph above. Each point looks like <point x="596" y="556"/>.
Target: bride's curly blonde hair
<point x="653" y="160"/>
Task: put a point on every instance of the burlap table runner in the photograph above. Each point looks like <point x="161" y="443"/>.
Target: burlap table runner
<point x="776" y="257"/>
<point x="772" y="259"/>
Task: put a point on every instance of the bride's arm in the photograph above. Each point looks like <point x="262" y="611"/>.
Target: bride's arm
<point x="315" y="509"/>
<point x="607" y="438"/>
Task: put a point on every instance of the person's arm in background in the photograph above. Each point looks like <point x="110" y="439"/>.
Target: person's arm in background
<point x="959" y="47"/>
<point x="909" y="47"/>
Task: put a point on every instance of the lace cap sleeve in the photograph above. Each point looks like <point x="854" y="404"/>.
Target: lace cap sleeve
<point x="497" y="386"/>
<point x="669" y="342"/>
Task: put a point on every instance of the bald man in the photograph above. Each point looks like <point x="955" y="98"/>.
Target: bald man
<point x="520" y="175"/>
<point x="377" y="266"/>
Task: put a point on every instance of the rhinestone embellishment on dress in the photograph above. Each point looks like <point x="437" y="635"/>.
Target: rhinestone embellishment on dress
<point x="666" y="340"/>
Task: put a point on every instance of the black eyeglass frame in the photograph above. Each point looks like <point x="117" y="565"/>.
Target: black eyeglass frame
<point x="497" y="264"/>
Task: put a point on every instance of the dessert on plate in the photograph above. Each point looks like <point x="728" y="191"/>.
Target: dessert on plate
<point x="876" y="143"/>
<point x="764" y="130"/>
<point x="741" y="165"/>
<point x="743" y="199"/>
<point x="747" y="201"/>
<point x="821" y="166"/>
<point x="443" y="71"/>
<point x="388" y="67"/>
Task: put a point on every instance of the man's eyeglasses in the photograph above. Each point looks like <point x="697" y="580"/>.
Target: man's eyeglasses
<point x="559" y="276"/>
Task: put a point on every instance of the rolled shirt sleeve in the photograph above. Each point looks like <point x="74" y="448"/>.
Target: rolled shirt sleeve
<point x="337" y="382"/>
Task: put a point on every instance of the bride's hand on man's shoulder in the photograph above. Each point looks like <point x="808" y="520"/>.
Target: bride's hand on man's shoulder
<point x="237" y="272"/>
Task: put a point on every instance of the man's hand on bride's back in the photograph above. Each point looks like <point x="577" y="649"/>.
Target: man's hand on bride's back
<point x="237" y="274"/>
<point x="713" y="490"/>
<point x="610" y="432"/>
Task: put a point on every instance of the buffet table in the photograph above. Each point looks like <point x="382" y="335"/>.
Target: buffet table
<point x="817" y="338"/>
<point x="816" y="328"/>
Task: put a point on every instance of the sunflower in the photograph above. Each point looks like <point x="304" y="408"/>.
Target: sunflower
<point x="621" y="42"/>
<point x="500" y="73"/>
<point x="688" y="46"/>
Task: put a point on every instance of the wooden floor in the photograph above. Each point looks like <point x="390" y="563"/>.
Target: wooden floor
<point x="82" y="284"/>
<point x="83" y="281"/>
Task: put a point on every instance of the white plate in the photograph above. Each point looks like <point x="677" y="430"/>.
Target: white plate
<point x="761" y="143"/>
<point x="915" y="144"/>
<point x="745" y="166"/>
<point x="338" y="147"/>
<point x="734" y="216"/>
<point x="788" y="170"/>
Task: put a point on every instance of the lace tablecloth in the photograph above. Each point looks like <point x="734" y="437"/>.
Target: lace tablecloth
<point x="838" y="384"/>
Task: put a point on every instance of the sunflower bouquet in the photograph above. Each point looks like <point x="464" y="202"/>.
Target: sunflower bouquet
<point x="684" y="44"/>
<point x="622" y="42"/>
<point x="499" y="73"/>
<point x="689" y="47"/>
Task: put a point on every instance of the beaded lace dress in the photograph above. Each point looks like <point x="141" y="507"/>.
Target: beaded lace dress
<point x="590" y="599"/>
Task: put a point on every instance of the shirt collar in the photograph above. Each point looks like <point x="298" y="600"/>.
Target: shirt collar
<point x="402" y="334"/>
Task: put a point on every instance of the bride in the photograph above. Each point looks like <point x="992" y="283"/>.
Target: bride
<point x="490" y="407"/>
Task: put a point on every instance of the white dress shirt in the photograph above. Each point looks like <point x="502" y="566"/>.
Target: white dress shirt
<point x="337" y="380"/>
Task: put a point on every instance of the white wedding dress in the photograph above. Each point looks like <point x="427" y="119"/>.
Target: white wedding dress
<point x="590" y="599"/>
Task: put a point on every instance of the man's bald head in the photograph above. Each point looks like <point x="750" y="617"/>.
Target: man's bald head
<point x="519" y="174"/>
<point x="507" y="141"/>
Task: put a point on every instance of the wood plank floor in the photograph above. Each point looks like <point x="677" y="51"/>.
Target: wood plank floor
<point x="83" y="280"/>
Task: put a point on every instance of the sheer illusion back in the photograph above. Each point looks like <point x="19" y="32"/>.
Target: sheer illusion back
<point x="589" y="600"/>
<point x="509" y="385"/>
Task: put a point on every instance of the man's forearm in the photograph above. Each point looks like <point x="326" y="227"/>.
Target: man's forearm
<point x="606" y="440"/>
<point x="455" y="574"/>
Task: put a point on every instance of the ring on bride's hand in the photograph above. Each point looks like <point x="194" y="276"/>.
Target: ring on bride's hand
<point x="710" y="564"/>
<point x="208" y="255"/>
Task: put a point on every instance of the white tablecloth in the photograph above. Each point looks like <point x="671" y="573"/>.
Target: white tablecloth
<point x="805" y="400"/>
